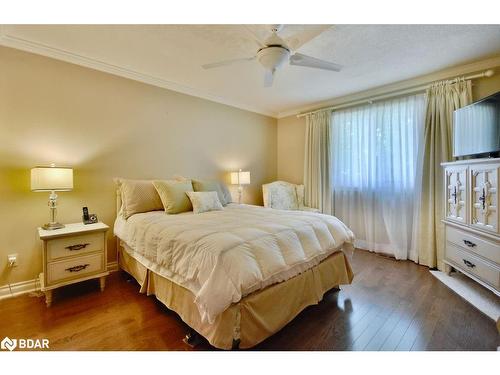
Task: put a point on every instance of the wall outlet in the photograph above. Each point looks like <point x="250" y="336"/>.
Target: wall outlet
<point x="12" y="260"/>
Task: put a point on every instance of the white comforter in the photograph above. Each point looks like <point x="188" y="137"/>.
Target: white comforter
<point x="222" y="256"/>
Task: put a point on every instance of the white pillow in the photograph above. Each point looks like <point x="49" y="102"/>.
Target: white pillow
<point x="283" y="196"/>
<point x="300" y="195"/>
<point x="204" y="201"/>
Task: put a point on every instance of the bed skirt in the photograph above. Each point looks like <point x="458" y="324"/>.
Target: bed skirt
<point x="258" y="315"/>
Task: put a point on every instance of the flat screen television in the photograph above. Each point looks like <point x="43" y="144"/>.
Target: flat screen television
<point x="476" y="129"/>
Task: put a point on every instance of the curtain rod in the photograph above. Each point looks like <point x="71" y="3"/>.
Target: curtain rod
<point x="414" y="89"/>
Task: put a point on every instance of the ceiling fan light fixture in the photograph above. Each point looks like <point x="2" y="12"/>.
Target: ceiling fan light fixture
<point x="273" y="57"/>
<point x="274" y="52"/>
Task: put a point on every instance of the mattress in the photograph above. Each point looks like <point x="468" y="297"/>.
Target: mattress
<point x="222" y="256"/>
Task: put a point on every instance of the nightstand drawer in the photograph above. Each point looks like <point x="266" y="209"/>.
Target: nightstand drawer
<point x="472" y="264"/>
<point x="75" y="268"/>
<point x="74" y="245"/>
<point x="475" y="244"/>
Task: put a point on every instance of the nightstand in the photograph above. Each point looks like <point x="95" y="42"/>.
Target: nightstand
<point x="72" y="254"/>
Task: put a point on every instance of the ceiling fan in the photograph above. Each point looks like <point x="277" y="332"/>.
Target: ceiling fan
<point x="274" y="52"/>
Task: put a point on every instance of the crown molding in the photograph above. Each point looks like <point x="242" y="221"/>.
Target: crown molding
<point x="63" y="55"/>
<point x="458" y="70"/>
<point x="12" y="41"/>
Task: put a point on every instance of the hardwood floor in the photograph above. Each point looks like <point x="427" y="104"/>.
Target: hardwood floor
<point x="391" y="305"/>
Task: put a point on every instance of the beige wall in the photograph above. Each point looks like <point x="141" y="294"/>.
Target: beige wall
<point x="486" y="86"/>
<point x="291" y="142"/>
<point x="291" y="133"/>
<point x="106" y="126"/>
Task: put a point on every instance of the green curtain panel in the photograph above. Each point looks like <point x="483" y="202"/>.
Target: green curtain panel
<point x="442" y="99"/>
<point x="317" y="189"/>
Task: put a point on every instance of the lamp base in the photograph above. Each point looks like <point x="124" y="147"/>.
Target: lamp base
<point x="52" y="226"/>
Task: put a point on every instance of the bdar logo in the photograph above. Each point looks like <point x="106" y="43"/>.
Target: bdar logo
<point x="8" y="343"/>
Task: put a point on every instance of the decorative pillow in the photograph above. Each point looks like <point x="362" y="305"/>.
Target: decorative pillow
<point x="283" y="197"/>
<point x="173" y="195"/>
<point x="138" y="196"/>
<point x="204" y="201"/>
<point x="218" y="187"/>
<point x="226" y="193"/>
<point x="300" y="195"/>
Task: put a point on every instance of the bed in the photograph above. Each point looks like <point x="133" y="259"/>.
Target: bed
<point x="239" y="275"/>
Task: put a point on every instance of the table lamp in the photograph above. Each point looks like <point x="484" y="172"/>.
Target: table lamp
<point x="240" y="178"/>
<point x="52" y="179"/>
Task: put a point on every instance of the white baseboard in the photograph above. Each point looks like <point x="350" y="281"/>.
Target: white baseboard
<point x="112" y="266"/>
<point x="17" y="289"/>
<point x="28" y="286"/>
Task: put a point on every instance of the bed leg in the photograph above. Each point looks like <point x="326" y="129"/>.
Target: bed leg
<point x="236" y="344"/>
<point x="192" y="338"/>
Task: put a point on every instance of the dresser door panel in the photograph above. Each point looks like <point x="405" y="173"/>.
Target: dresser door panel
<point x="484" y="197"/>
<point x="456" y="193"/>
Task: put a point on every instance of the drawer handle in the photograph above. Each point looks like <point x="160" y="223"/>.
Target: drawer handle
<point x="77" y="247"/>
<point x="469" y="243"/>
<point x="83" y="266"/>
<point x="482" y="199"/>
<point x="454" y="194"/>
<point x="469" y="264"/>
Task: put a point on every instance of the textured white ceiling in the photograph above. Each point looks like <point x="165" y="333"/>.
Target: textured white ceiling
<point x="372" y="55"/>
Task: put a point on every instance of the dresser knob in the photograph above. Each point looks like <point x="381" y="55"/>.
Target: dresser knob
<point x="469" y="243"/>
<point x="469" y="264"/>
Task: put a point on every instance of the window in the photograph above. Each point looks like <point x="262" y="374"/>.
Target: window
<point x="374" y="150"/>
<point x="374" y="147"/>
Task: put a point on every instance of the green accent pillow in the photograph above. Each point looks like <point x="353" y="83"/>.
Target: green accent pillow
<point x="202" y="185"/>
<point x="173" y="195"/>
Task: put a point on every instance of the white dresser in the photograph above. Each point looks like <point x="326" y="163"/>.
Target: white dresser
<point x="471" y="220"/>
<point x="72" y="254"/>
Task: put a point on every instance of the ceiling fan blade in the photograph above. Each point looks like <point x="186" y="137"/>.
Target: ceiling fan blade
<point x="312" y="62"/>
<point x="296" y="41"/>
<point x="227" y="62"/>
<point x="269" y="78"/>
<point x="255" y="37"/>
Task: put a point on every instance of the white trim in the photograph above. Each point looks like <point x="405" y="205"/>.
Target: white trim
<point x="112" y="266"/>
<point x="18" y="289"/>
<point x="28" y="286"/>
<point x="401" y="85"/>
<point x="60" y="54"/>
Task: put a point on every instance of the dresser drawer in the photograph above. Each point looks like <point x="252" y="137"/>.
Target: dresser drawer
<point x="475" y="244"/>
<point x="75" y="268"/>
<point x="472" y="264"/>
<point x="74" y="245"/>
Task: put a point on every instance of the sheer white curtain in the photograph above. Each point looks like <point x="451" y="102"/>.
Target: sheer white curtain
<point x="374" y="151"/>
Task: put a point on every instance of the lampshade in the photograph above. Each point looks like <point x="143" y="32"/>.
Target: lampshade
<point x="51" y="179"/>
<point x="240" y="178"/>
